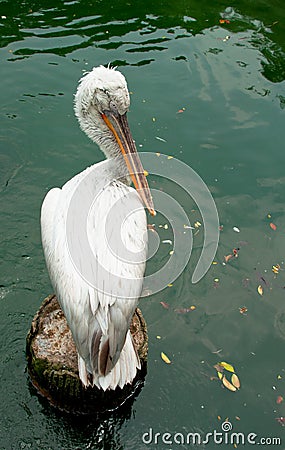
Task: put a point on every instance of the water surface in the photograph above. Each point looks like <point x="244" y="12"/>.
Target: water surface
<point x="228" y="79"/>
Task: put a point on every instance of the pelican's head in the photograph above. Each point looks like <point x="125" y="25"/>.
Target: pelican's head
<point x="101" y="103"/>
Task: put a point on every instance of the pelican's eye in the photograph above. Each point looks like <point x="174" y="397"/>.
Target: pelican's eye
<point x="113" y="106"/>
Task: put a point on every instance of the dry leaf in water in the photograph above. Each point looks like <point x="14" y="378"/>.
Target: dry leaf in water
<point x="260" y="290"/>
<point x="227" y="258"/>
<point x="218" y="368"/>
<point x="165" y="305"/>
<point x="227" y="366"/>
<point x="273" y="226"/>
<point x="165" y="358"/>
<point x="228" y="385"/>
<point x="235" y="381"/>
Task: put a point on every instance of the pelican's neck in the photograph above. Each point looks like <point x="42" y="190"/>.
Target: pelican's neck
<point x="92" y="124"/>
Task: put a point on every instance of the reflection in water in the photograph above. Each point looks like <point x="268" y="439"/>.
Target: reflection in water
<point x="92" y="431"/>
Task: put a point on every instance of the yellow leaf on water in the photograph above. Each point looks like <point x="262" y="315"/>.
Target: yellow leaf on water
<point x="227" y="366"/>
<point x="165" y="358"/>
<point x="228" y="385"/>
<point x="260" y="290"/>
<point x="275" y="269"/>
<point x="235" y="381"/>
<point x="220" y="375"/>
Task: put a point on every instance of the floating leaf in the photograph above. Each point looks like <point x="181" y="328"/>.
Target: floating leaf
<point x="236" y="229"/>
<point x="228" y="258"/>
<point x="167" y="241"/>
<point x="220" y="375"/>
<point x="235" y="381"/>
<point x="243" y="310"/>
<point x="228" y="385"/>
<point x="275" y="269"/>
<point x="260" y="290"/>
<point x="279" y="399"/>
<point x="273" y="226"/>
<point x="160" y="139"/>
<point x="218" y="368"/>
<point x="227" y="366"/>
<point x="151" y="226"/>
<point x="185" y="310"/>
<point x="165" y="358"/>
<point x="165" y="305"/>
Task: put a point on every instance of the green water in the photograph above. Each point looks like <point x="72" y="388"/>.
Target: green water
<point x="230" y="80"/>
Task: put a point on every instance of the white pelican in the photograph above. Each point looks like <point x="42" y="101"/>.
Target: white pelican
<point x="99" y="321"/>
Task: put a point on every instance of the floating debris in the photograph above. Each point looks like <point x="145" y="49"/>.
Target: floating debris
<point x="260" y="290"/>
<point x="167" y="241"/>
<point x="165" y="358"/>
<point x="160" y="139"/>
<point x="185" y="310"/>
<point x="165" y="305"/>
<point x="276" y="268"/>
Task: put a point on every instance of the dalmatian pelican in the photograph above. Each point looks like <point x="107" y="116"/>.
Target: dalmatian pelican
<point x="99" y="319"/>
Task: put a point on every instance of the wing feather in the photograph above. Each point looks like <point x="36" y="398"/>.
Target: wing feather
<point x="98" y="317"/>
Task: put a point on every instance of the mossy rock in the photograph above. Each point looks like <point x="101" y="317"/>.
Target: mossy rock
<point x="52" y="363"/>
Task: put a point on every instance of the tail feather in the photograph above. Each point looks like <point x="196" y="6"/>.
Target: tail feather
<point x="122" y="373"/>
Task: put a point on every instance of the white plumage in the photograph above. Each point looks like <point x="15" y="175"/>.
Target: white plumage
<point x="99" y="307"/>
